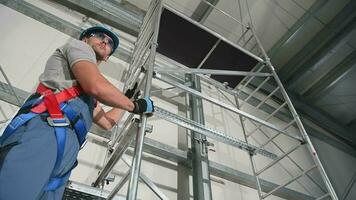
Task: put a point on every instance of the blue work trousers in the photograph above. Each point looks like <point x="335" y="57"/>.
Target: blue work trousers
<point x="28" y="156"/>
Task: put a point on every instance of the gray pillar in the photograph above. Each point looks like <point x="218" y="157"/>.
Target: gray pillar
<point x="199" y="153"/>
<point x="182" y="170"/>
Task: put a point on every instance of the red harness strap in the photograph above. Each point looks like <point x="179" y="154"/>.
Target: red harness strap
<point x="51" y="101"/>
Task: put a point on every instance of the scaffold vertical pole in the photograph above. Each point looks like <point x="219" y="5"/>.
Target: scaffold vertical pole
<point x="258" y="183"/>
<point x="299" y="123"/>
<point x="136" y="161"/>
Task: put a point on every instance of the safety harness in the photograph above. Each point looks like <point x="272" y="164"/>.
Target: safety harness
<point x="61" y="116"/>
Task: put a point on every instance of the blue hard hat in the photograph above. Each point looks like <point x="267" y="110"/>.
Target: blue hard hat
<point x="102" y="29"/>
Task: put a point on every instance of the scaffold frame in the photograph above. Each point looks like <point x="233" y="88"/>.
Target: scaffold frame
<point x="143" y="62"/>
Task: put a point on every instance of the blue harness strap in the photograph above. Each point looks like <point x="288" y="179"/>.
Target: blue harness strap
<point x="60" y="125"/>
<point x="76" y="122"/>
<point x="15" y="124"/>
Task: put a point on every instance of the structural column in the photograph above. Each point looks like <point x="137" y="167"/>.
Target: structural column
<point x="199" y="153"/>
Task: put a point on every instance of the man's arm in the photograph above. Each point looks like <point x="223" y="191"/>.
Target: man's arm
<point x="93" y="83"/>
<point x="107" y="120"/>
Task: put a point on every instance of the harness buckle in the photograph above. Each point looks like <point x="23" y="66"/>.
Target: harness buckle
<point x="58" y="121"/>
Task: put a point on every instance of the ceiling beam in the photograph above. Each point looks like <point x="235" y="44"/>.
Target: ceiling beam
<point x="324" y="54"/>
<point x="107" y="13"/>
<point x="331" y="78"/>
<point x="319" y="46"/>
<point x="203" y="10"/>
<point x="298" y="27"/>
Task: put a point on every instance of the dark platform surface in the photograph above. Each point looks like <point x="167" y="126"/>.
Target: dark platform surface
<point x="188" y="44"/>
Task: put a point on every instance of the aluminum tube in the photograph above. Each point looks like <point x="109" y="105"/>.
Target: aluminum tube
<point x="271" y="138"/>
<point x="242" y="36"/>
<point x="217" y="84"/>
<point x="249" y="79"/>
<point x="118" y="186"/>
<point x="227" y="14"/>
<point x="153" y="187"/>
<point x="268" y="117"/>
<point x="11" y="87"/>
<point x="129" y="118"/>
<point x="149" y="183"/>
<point x="147" y="18"/>
<point x="224" y="105"/>
<point x="211" y="71"/>
<point x="246" y="42"/>
<point x="323" y="196"/>
<point x="295" y="163"/>
<point x="125" y="140"/>
<point x="209" y="53"/>
<point x="299" y="123"/>
<point x="136" y="162"/>
<point x="258" y="183"/>
<point x="269" y="96"/>
<point x="288" y="182"/>
<point x="278" y="159"/>
<point x="254" y="92"/>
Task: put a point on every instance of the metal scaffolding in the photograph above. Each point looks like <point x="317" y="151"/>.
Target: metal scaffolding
<point x="143" y="68"/>
<point x="144" y="57"/>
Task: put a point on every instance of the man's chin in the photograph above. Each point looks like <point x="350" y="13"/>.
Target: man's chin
<point x="99" y="57"/>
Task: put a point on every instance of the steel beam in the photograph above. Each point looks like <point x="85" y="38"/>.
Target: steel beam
<point x="299" y="27"/>
<point x="106" y="12"/>
<point x="199" y="152"/>
<point x="331" y="78"/>
<point x="319" y="47"/>
<point x="203" y="10"/>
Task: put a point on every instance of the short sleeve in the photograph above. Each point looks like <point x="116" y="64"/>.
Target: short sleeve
<point x="77" y="50"/>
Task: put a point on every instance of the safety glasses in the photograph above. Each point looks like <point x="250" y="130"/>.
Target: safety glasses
<point x="104" y="38"/>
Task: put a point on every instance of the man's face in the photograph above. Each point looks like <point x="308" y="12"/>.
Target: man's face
<point x="101" y="44"/>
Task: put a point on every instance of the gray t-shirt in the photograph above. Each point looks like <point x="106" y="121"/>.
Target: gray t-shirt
<point x="57" y="74"/>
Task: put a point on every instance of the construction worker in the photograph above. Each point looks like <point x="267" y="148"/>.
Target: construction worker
<point x="38" y="149"/>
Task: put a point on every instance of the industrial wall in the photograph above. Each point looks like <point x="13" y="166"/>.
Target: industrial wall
<point x="25" y="46"/>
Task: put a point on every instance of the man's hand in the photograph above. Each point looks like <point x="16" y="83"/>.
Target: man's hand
<point x="132" y="92"/>
<point x="143" y="106"/>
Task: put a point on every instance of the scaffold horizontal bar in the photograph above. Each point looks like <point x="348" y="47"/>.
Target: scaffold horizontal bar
<point x="194" y="126"/>
<point x="278" y="159"/>
<point x="211" y="71"/>
<point x="288" y="182"/>
<point x="217" y="102"/>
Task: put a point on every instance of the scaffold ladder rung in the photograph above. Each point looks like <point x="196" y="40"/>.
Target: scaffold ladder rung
<point x="288" y="182"/>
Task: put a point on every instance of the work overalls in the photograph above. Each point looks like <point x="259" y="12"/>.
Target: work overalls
<point x="31" y="166"/>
